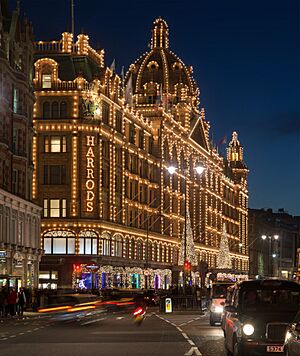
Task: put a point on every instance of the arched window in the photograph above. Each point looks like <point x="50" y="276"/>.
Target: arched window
<point x="88" y="243"/>
<point x="155" y="251"/>
<point x="59" y="242"/>
<point x="139" y="250"/>
<point x="148" y="251"/>
<point x="132" y="248"/>
<point x="175" y="255"/>
<point x="118" y="246"/>
<point x="127" y="248"/>
<point x="106" y="245"/>
<point x="46" y="110"/>
<point x="63" y="110"/>
<point x="160" y="252"/>
<point x="55" y="110"/>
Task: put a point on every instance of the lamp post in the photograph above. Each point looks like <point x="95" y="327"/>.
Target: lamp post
<point x="172" y="169"/>
<point x="270" y="239"/>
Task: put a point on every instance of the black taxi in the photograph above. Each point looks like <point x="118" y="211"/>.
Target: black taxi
<point x="257" y="315"/>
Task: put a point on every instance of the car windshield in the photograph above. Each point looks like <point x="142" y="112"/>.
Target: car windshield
<point x="220" y="290"/>
<point x="270" y="298"/>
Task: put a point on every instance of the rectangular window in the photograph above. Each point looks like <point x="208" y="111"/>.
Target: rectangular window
<point x="44" y="275"/>
<point x="15" y="100"/>
<point x="88" y="246"/>
<point x="105" y="113"/>
<point x="119" y="121"/>
<point x="45" y="208"/>
<point x="64" y="144"/>
<point x="64" y="208"/>
<point x="71" y="245"/>
<point x="46" y="144"/>
<point x="59" y="245"/>
<point x="54" y="208"/>
<point x="47" y="245"/>
<point x="46" y="81"/>
<point x="55" y="144"/>
<point x="81" y="246"/>
<point x="15" y="181"/>
<point x="95" y="247"/>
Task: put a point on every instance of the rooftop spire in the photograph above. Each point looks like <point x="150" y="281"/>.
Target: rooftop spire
<point x="160" y="34"/>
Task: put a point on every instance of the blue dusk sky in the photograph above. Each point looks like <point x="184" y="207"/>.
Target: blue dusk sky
<point x="245" y="56"/>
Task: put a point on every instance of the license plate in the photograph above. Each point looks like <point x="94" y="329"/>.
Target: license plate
<point x="274" y="348"/>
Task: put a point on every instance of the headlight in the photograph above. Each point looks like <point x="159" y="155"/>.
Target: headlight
<point x="219" y="309"/>
<point x="287" y="336"/>
<point x="248" y="329"/>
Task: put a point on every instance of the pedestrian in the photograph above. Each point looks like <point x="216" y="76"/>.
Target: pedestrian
<point x="12" y="301"/>
<point x="21" y="302"/>
<point x="3" y="302"/>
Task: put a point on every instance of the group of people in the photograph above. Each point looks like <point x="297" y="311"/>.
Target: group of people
<point x="12" y="302"/>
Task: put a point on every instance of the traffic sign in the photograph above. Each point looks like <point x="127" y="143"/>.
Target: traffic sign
<point x="168" y="305"/>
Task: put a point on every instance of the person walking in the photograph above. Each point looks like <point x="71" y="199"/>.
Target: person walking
<point x="21" y="302"/>
<point x="12" y="301"/>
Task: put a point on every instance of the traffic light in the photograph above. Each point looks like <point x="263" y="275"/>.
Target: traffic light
<point x="187" y="267"/>
<point x="77" y="268"/>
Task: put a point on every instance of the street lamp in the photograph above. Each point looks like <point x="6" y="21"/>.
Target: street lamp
<point x="172" y="169"/>
<point x="274" y="255"/>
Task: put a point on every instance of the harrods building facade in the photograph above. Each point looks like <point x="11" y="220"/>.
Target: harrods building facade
<point x="19" y="218"/>
<point x="112" y="213"/>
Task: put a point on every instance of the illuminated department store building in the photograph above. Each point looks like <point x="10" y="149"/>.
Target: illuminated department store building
<point x="101" y="151"/>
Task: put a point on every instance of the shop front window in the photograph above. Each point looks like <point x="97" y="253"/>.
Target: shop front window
<point x="59" y="242"/>
<point x="88" y="243"/>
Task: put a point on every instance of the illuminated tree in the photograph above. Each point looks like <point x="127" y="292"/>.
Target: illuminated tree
<point x="223" y="258"/>
<point x="190" y="248"/>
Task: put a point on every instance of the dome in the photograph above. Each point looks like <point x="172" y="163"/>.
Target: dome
<point x="161" y="72"/>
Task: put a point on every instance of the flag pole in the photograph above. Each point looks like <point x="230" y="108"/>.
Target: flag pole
<point x="72" y="17"/>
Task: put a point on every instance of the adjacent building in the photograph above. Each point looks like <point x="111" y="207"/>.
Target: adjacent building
<point x="274" y="237"/>
<point x="113" y="214"/>
<point x="19" y="217"/>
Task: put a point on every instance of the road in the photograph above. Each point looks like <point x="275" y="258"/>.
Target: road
<point x="113" y="334"/>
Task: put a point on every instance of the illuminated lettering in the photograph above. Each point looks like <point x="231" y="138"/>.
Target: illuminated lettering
<point x="90" y="173"/>
<point x="90" y="162"/>
<point x="90" y="183"/>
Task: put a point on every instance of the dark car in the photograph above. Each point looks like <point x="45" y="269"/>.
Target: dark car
<point x="292" y="338"/>
<point x="217" y="300"/>
<point x="258" y="315"/>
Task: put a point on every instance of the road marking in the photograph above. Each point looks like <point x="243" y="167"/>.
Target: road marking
<point x="12" y="335"/>
<point x="93" y="321"/>
<point x="21" y="333"/>
<point x="193" y="350"/>
<point x="36" y="329"/>
<point x="4" y="338"/>
<point x="120" y="317"/>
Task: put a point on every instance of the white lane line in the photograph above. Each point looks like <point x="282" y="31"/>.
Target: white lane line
<point x="13" y="335"/>
<point x="29" y="331"/>
<point x="21" y="333"/>
<point x="120" y="317"/>
<point x="194" y="349"/>
<point x="4" y="338"/>
<point x="93" y="321"/>
<point x="185" y="335"/>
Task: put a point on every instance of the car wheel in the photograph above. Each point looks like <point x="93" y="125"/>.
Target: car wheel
<point x="237" y="349"/>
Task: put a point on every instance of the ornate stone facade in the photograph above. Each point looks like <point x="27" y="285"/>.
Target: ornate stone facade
<point x="101" y="150"/>
<point x="19" y="217"/>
